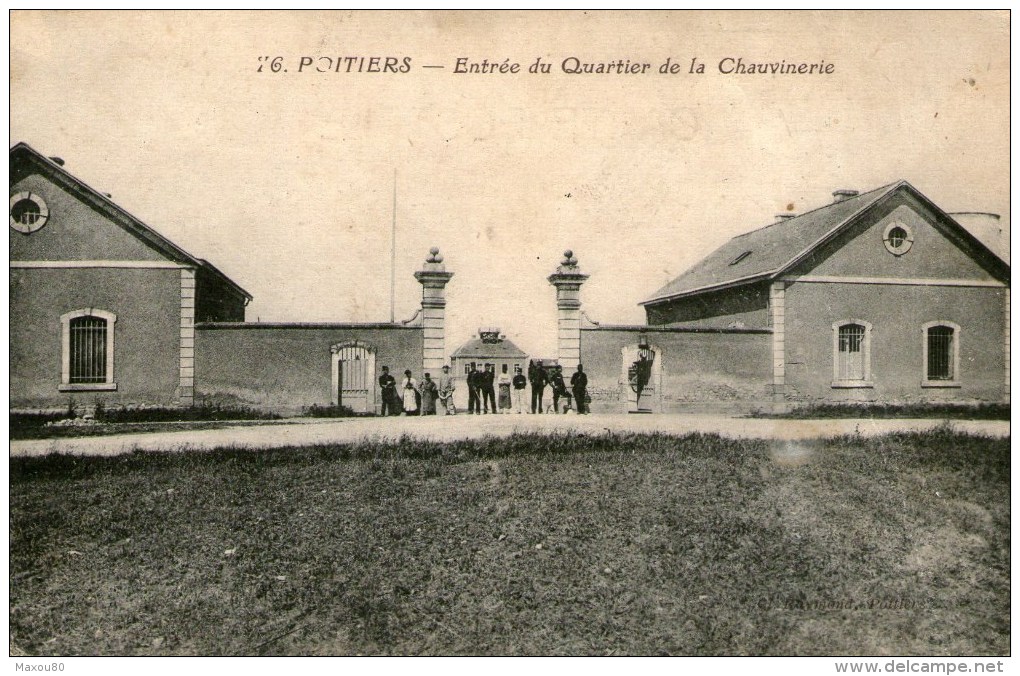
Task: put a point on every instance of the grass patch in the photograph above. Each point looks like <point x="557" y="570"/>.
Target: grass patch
<point x="533" y="544"/>
<point x="100" y="421"/>
<point x="948" y="411"/>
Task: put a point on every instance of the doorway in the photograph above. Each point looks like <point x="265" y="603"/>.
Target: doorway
<point x="353" y="376"/>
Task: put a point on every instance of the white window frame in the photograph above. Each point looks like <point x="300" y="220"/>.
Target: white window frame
<point x="955" y="382"/>
<point x="838" y="382"/>
<point x="65" y="350"/>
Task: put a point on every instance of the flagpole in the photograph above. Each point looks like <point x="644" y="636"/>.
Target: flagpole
<point x="393" y="251"/>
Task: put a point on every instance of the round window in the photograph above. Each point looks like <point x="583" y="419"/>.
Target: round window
<point x="28" y="212"/>
<point x="897" y="238"/>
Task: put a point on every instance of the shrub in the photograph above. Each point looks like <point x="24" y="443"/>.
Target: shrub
<point x="200" y="412"/>
<point x="331" y="411"/>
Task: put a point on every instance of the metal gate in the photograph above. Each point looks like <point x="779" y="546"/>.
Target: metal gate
<point x="354" y="377"/>
<point x="641" y="378"/>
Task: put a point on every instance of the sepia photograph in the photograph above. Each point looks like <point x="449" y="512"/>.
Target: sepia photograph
<point x="491" y="333"/>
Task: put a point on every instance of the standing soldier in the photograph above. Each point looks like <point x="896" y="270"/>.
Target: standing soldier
<point x="579" y="384"/>
<point x="489" y="388"/>
<point x="536" y="376"/>
<point x="446" y="388"/>
<point x="519" y="382"/>
<point x="388" y="388"/>
<point x="474" y="406"/>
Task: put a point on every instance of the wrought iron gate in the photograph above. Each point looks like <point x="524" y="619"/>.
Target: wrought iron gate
<point x="354" y="377"/>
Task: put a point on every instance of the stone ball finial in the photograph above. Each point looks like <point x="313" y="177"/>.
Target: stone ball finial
<point x="434" y="250"/>
<point x="439" y="258"/>
<point x="568" y="253"/>
<point x="434" y="256"/>
<point x="569" y="260"/>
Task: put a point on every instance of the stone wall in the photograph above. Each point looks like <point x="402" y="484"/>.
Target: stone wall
<point x="285" y="367"/>
<point x="701" y="370"/>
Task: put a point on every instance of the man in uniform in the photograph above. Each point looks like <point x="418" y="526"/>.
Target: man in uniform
<point x="474" y="406"/>
<point x="518" y="383"/>
<point x="388" y="388"/>
<point x="536" y="375"/>
<point x="489" y="387"/>
<point x="579" y="384"/>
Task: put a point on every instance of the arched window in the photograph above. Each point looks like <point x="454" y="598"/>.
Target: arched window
<point x="941" y="354"/>
<point x="87" y="355"/>
<point x="851" y="353"/>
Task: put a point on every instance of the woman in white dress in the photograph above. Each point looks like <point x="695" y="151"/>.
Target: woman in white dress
<point x="409" y="392"/>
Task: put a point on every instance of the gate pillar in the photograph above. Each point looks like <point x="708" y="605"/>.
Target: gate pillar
<point x="568" y="279"/>
<point x="433" y="278"/>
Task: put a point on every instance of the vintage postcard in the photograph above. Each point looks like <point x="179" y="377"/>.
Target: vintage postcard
<point x="573" y="238"/>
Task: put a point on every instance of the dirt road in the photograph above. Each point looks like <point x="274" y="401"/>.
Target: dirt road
<point x="299" y="432"/>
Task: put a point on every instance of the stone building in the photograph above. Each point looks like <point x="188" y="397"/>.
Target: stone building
<point x="105" y="309"/>
<point x="489" y="347"/>
<point x="101" y="305"/>
<point x="880" y="296"/>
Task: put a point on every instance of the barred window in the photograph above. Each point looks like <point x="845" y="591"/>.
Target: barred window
<point x="940" y="361"/>
<point x="851" y="352"/>
<point x="940" y="353"/>
<point x="87" y="350"/>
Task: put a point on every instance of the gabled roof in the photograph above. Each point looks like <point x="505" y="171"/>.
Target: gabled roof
<point x="476" y="349"/>
<point x="770" y="251"/>
<point x="24" y="158"/>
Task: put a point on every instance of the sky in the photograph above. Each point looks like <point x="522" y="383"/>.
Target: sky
<point x="285" y="180"/>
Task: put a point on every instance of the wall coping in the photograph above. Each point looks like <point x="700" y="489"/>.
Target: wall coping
<point x="218" y="326"/>
<point x="638" y="328"/>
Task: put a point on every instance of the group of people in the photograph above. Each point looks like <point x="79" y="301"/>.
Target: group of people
<point x="539" y="377"/>
<point x="482" y="390"/>
<point x="410" y="397"/>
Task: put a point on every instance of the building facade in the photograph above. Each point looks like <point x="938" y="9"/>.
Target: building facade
<point x="880" y="296"/>
<point x="101" y="305"/>
<point x="103" y="309"/>
<point x="873" y="297"/>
